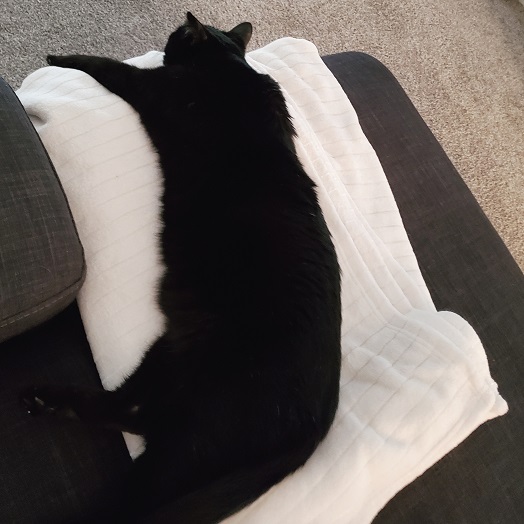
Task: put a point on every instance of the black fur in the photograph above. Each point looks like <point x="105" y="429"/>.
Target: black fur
<point x="244" y="383"/>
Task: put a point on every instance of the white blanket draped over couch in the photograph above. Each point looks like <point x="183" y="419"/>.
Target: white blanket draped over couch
<point x="415" y="382"/>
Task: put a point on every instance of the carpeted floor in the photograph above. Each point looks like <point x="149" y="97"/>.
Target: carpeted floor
<point x="462" y="63"/>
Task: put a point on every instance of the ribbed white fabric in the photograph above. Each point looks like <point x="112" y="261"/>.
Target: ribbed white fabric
<point x="415" y="382"/>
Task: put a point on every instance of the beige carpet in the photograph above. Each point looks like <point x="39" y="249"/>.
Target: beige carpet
<point x="461" y="62"/>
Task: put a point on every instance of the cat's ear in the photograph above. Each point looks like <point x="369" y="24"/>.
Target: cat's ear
<point x="195" y="30"/>
<point x="243" y="32"/>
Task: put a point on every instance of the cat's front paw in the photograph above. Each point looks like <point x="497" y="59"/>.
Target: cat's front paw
<point x="59" y="61"/>
<point x="71" y="61"/>
<point x="53" y="60"/>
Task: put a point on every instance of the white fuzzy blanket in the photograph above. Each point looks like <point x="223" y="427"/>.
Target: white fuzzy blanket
<point x="415" y="382"/>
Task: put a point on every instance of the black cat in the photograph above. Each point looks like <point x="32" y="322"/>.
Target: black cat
<point x="244" y="383"/>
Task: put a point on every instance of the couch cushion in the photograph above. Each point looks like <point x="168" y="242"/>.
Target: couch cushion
<point x="41" y="258"/>
<point x="403" y="403"/>
<point x="53" y="471"/>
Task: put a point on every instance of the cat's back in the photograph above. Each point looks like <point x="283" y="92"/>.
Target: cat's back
<point x="218" y="113"/>
<point x="241" y="216"/>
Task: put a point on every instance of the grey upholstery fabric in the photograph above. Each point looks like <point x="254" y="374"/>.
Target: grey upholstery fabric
<point x="41" y="258"/>
<point x="55" y="471"/>
<point x="468" y="270"/>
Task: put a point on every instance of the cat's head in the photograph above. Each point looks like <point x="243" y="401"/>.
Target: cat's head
<point x="195" y="43"/>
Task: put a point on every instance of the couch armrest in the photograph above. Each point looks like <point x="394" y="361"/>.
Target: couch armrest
<point x="41" y="258"/>
<point x="468" y="270"/>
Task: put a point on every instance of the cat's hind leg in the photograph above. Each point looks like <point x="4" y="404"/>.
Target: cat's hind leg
<point x="99" y="407"/>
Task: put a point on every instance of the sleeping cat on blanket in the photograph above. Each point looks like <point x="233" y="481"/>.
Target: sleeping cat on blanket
<point x="244" y="383"/>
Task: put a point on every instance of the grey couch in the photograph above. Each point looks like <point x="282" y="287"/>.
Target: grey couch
<point x="60" y="472"/>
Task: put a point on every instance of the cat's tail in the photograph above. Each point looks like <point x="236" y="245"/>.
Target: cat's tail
<point x="231" y="493"/>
